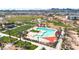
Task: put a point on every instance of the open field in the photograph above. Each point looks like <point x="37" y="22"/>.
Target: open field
<point x="27" y="20"/>
<point x="21" y="18"/>
<point x="57" y="23"/>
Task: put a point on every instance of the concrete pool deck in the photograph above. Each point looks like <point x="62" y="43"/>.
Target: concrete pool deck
<point x="39" y="36"/>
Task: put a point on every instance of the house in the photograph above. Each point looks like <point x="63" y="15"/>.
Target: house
<point x="73" y="17"/>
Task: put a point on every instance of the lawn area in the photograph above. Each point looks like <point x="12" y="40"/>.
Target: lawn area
<point x="7" y="39"/>
<point x="26" y="20"/>
<point x="16" y="31"/>
<point x="29" y="22"/>
<point x="25" y="45"/>
<point x="57" y="23"/>
<point x="21" y="18"/>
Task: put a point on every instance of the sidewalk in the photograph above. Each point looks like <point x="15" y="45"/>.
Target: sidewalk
<point x="39" y="45"/>
<point x="58" y="46"/>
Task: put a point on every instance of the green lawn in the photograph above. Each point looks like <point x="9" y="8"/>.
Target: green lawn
<point x="16" y="31"/>
<point x="7" y="39"/>
<point x="34" y="31"/>
<point x="57" y="23"/>
<point x="26" y="20"/>
<point x="25" y="45"/>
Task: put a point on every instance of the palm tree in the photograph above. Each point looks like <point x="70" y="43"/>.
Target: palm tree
<point x="9" y="32"/>
<point x="43" y="48"/>
<point x="38" y="39"/>
<point x="24" y="34"/>
<point x="1" y="46"/>
<point x="20" y="35"/>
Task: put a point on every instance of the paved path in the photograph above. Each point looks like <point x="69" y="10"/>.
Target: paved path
<point x="59" y="44"/>
<point x="39" y="45"/>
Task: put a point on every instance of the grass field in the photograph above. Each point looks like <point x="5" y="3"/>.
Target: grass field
<point x="7" y="39"/>
<point x="16" y="31"/>
<point x="57" y="23"/>
<point x="21" y="18"/>
<point x="25" y="20"/>
<point x="25" y="45"/>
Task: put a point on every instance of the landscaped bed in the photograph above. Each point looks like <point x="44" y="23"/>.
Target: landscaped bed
<point x="58" y="23"/>
<point x="18" y="43"/>
<point x="25" y="45"/>
<point x="34" y="30"/>
<point x="7" y="39"/>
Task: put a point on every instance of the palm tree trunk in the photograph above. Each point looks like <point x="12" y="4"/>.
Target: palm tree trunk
<point x="9" y="36"/>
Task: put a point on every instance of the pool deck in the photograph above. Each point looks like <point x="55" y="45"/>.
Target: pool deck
<point x="35" y="36"/>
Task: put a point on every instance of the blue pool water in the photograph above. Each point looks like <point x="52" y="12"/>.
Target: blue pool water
<point x="47" y="31"/>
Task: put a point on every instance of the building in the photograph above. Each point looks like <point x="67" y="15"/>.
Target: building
<point x="73" y="17"/>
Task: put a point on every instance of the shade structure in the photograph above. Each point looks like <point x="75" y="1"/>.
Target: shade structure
<point x="51" y="39"/>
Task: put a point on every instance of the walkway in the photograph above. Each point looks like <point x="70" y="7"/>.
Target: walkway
<point x="59" y="44"/>
<point x="39" y="45"/>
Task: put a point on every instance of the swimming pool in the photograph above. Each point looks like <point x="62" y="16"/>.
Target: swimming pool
<point x="47" y="32"/>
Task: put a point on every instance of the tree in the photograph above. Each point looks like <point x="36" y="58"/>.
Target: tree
<point x="43" y="48"/>
<point x="9" y="32"/>
<point x="20" y="35"/>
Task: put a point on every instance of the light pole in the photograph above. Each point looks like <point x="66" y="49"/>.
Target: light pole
<point x="20" y="35"/>
<point x="38" y="39"/>
<point x="9" y="35"/>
